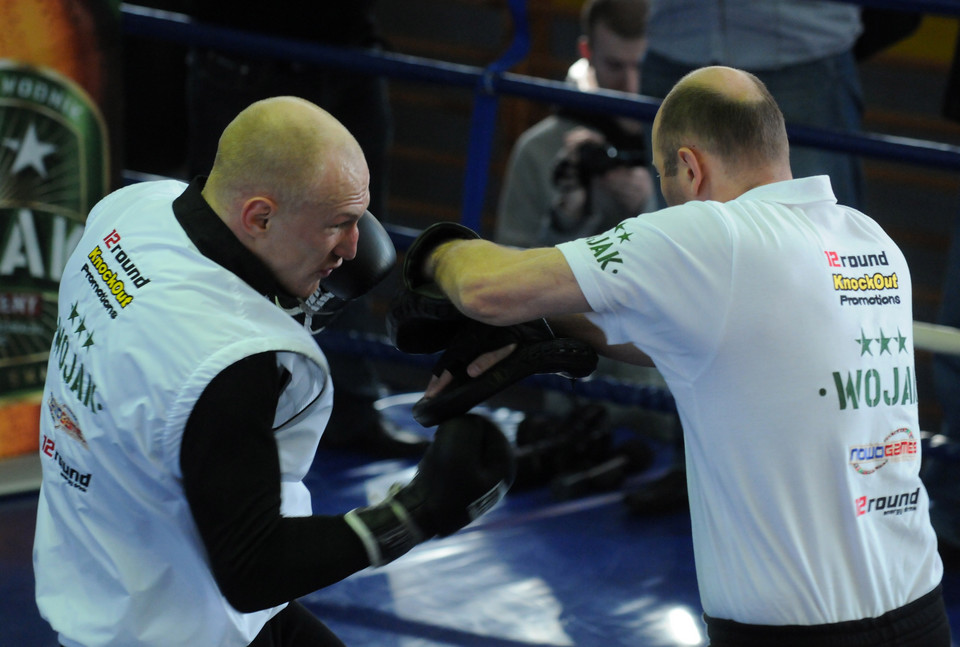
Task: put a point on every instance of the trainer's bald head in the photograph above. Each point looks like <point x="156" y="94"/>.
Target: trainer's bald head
<point x="727" y="112"/>
<point x="281" y="147"/>
<point x="735" y="84"/>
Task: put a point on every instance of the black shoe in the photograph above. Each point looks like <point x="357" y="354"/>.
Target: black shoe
<point x="665" y="494"/>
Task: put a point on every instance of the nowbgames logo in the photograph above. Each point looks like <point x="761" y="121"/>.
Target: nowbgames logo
<point x="898" y="446"/>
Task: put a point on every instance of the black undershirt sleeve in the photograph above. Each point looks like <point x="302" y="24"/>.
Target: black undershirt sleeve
<point x="231" y="478"/>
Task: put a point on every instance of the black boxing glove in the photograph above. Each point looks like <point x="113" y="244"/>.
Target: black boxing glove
<point x="421" y="319"/>
<point x="420" y="250"/>
<point x="419" y="323"/>
<point x="376" y="257"/>
<point x="466" y="470"/>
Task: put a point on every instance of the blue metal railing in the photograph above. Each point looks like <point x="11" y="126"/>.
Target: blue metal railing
<point x="488" y="84"/>
<point x="494" y="80"/>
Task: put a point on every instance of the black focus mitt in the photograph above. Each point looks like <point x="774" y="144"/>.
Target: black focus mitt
<point x="420" y="323"/>
<point x="421" y="248"/>
<point x="421" y="319"/>
<point x="538" y="351"/>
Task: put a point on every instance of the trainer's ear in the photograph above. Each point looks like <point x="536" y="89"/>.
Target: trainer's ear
<point x="691" y="171"/>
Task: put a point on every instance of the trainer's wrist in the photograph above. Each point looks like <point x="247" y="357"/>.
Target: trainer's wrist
<point x="434" y="258"/>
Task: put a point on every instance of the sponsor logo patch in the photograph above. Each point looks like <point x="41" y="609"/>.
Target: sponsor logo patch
<point x="64" y="419"/>
<point x="898" y="446"/>
<point x="894" y="505"/>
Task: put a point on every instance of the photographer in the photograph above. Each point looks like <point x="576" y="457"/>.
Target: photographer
<point x="577" y="174"/>
<point x="597" y="183"/>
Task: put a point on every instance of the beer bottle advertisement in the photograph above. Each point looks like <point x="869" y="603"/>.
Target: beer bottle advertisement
<point x="59" y="101"/>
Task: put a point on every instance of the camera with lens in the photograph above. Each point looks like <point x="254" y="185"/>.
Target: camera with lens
<point x="594" y="158"/>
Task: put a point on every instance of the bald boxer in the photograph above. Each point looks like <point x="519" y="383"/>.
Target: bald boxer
<point x="183" y="407"/>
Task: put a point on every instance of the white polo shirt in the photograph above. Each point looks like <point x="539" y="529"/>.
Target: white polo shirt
<point x="782" y="324"/>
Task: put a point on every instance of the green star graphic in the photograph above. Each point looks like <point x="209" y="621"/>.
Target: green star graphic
<point x="884" y="343"/>
<point x="619" y="227"/>
<point x="81" y="327"/>
<point x="865" y="342"/>
<point x="73" y="312"/>
<point x="901" y="341"/>
<point x="625" y="237"/>
<point x="89" y="342"/>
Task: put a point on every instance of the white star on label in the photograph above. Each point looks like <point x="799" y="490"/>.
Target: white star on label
<point x="30" y="152"/>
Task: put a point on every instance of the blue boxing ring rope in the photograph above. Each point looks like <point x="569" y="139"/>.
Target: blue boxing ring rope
<point x="488" y="84"/>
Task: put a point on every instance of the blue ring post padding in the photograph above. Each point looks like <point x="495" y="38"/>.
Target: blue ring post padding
<point x="484" y="119"/>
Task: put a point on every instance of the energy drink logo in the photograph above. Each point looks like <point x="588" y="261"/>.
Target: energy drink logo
<point x="894" y="505"/>
<point x="898" y="446"/>
<point x="68" y="472"/>
<point x="835" y="259"/>
<point x="54" y="165"/>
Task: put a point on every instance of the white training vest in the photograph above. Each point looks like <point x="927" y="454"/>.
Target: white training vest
<point x="782" y="324"/>
<point x="145" y="322"/>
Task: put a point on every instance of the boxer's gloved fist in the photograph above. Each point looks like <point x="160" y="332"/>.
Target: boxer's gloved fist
<point x="421" y="319"/>
<point x="376" y="257"/>
<point x="466" y="470"/>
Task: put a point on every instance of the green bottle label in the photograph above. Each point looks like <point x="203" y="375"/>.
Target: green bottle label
<point x="54" y="166"/>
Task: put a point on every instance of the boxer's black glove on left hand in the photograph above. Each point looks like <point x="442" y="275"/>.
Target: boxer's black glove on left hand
<point x="467" y="469"/>
<point x="538" y="351"/>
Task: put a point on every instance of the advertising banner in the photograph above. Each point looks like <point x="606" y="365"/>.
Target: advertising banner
<point x="60" y="100"/>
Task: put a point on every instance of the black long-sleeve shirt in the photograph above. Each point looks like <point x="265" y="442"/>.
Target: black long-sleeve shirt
<point x="231" y="467"/>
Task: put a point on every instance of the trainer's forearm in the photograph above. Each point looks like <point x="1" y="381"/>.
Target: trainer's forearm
<point x="504" y="285"/>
